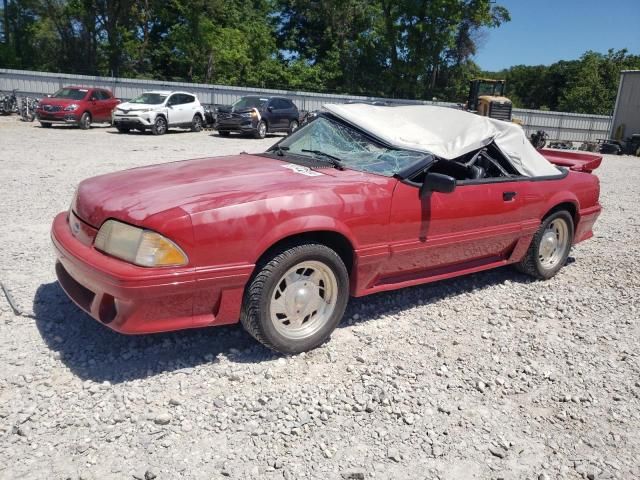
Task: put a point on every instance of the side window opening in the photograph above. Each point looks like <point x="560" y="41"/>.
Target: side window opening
<point x="484" y="164"/>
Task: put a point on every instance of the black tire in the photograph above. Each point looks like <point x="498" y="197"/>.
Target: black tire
<point x="85" y="121"/>
<point x="261" y="130"/>
<point x="223" y="134"/>
<point x="196" y="123"/>
<point x="531" y="264"/>
<point x="255" y="315"/>
<point x="293" y="126"/>
<point x="45" y="124"/>
<point x="159" y="127"/>
<point x="123" y="129"/>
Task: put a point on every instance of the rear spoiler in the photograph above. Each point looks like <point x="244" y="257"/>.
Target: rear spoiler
<point x="576" y="161"/>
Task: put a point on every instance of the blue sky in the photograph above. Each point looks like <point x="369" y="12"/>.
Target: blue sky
<point x="542" y="32"/>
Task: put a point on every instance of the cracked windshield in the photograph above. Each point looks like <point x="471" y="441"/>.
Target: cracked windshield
<point x="351" y="147"/>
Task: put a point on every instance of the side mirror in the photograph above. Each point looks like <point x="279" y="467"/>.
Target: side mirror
<point x="270" y="108"/>
<point x="437" y="182"/>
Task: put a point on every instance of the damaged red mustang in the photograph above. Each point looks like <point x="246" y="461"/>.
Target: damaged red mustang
<point x="360" y="200"/>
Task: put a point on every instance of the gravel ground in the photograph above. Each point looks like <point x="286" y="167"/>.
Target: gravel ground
<point x="488" y="376"/>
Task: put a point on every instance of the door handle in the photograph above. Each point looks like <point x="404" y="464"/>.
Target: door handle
<point x="508" y="196"/>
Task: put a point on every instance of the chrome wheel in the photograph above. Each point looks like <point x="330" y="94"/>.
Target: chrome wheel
<point x="554" y="243"/>
<point x="293" y="126"/>
<point x="262" y="129"/>
<point x="303" y="300"/>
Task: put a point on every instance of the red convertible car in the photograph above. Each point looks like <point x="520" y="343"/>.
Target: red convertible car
<point x="362" y="199"/>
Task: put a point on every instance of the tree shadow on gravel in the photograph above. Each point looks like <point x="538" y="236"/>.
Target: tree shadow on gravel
<point x="93" y="351"/>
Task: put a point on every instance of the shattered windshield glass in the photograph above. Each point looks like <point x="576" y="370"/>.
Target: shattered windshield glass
<point x="353" y="148"/>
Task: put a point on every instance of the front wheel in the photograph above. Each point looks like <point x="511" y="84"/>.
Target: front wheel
<point x="159" y="126"/>
<point x="550" y="246"/>
<point x="261" y="130"/>
<point x="85" y="121"/>
<point x="296" y="299"/>
<point x="293" y="126"/>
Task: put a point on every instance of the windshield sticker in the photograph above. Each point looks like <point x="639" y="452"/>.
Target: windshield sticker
<point x="302" y="170"/>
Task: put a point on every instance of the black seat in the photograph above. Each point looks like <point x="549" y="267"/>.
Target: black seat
<point x="476" y="172"/>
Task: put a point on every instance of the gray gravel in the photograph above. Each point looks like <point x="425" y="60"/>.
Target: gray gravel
<point x="488" y="376"/>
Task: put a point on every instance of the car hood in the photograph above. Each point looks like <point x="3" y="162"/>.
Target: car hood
<point x="58" y="101"/>
<point x="229" y="109"/>
<point x="138" y="106"/>
<point x="197" y="185"/>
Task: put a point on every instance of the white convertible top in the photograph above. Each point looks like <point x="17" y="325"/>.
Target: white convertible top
<point x="444" y="132"/>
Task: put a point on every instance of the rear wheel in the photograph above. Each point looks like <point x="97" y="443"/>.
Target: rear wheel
<point x="261" y="129"/>
<point x="296" y="299"/>
<point x="159" y="126"/>
<point x="85" y="121"/>
<point x="196" y="123"/>
<point x="550" y="246"/>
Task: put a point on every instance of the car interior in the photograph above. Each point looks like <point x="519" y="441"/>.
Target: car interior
<point x="487" y="163"/>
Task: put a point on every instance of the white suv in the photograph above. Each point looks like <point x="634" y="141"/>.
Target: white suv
<point x="158" y="111"/>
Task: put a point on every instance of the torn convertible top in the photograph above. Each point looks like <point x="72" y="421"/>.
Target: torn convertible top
<point x="444" y="132"/>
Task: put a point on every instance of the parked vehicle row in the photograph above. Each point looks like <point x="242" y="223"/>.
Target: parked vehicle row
<point x="158" y="111"/>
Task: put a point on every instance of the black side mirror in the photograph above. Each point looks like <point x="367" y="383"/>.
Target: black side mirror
<point x="437" y="182"/>
<point x="270" y="108"/>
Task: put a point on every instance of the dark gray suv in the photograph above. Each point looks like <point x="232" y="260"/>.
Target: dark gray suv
<point x="258" y="115"/>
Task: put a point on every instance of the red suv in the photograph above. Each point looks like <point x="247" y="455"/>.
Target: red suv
<point x="77" y="106"/>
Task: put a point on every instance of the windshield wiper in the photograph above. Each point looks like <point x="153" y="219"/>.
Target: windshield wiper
<point x="335" y="161"/>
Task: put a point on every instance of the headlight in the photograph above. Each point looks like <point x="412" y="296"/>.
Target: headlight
<point x="139" y="246"/>
<point x="71" y="108"/>
<point x="248" y="114"/>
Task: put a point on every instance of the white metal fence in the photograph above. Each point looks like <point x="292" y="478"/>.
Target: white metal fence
<point x="559" y="125"/>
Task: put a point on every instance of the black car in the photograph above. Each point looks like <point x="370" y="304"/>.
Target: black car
<point x="258" y="116"/>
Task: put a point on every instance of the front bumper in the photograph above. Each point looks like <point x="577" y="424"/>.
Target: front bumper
<point x="68" y="118"/>
<point x="132" y="121"/>
<point x="132" y="300"/>
<point x="242" y="125"/>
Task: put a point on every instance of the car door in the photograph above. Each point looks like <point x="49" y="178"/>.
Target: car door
<point x="175" y="111"/>
<point x="276" y="114"/>
<point x="94" y="106"/>
<point x="189" y="107"/>
<point x="477" y="224"/>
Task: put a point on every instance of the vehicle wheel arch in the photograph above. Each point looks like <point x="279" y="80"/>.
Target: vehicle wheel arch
<point x="570" y="206"/>
<point x="333" y="239"/>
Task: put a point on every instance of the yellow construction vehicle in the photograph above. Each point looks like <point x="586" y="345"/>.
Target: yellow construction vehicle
<point x="486" y="98"/>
